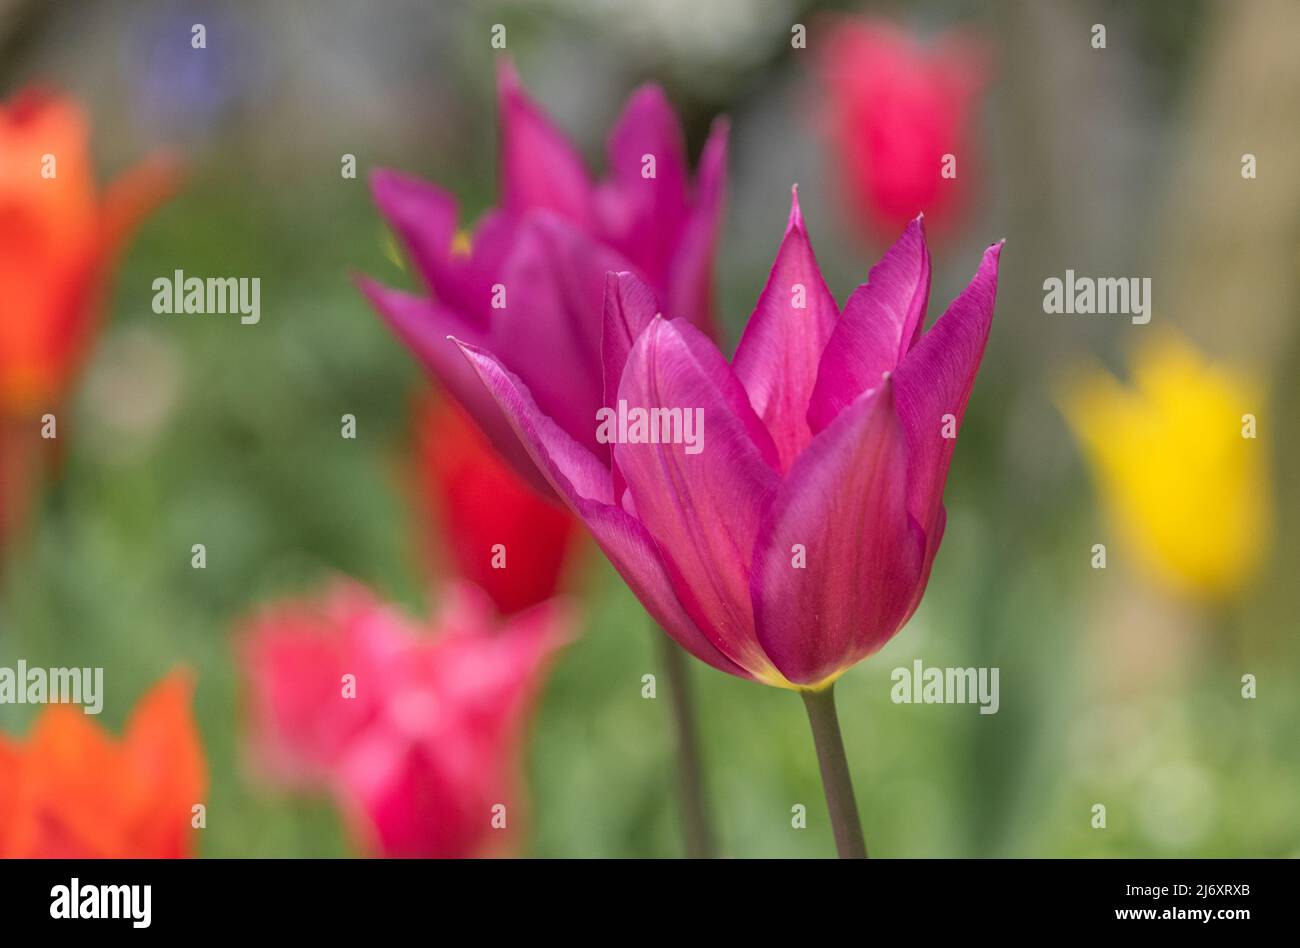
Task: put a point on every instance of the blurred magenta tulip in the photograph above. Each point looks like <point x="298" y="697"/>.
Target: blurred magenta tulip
<point x="799" y="537"/>
<point x="528" y="284"/>
<point x="893" y="108"/>
<point x="417" y="732"/>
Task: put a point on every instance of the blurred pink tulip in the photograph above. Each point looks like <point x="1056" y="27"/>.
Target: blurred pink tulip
<point x="893" y="109"/>
<point x="417" y="732"/>
<point x="798" y="538"/>
<point x="528" y="284"/>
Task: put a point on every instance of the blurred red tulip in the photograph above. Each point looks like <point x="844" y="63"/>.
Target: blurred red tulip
<point x="497" y="530"/>
<point x="894" y="109"/>
<point x="58" y="237"/>
<point x="417" y="732"/>
<point x="71" y="791"/>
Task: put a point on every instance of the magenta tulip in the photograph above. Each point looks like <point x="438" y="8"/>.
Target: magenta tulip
<point x="777" y="515"/>
<point x="528" y="284"/>
<point x="796" y="539"/>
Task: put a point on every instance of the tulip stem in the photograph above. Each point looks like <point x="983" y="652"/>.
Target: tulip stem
<point x="696" y="827"/>
<point x="836" y="781"/>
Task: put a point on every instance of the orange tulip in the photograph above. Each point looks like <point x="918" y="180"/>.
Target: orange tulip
<point x="58" y="236"/>
<point x="71" y="790"/>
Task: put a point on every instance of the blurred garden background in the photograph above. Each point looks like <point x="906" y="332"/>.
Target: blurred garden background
<point x="1116" y="688"/>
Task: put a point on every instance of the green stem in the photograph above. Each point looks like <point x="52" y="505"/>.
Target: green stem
<point x="696" y="827"/>
<point x="837" y="783"/>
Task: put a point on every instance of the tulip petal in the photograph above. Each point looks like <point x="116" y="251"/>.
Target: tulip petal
<point x="935" y="380"/>
<point x="163" y="746"/>
<point x="424" y="219"/>
<point x="135" y="194"/>
<point x="11" y="765"/>
<point x="629" y="307"/>
<point x="643" y="205"/>
<point x="844" y="504"/>
<point x="782" y="345"/>
<point x="424" y="325"/>
<point x="931" y="543"/>
<point x="540" y="168"/>
<point x="881" y="322"/>
<point x="702" y="503"/>
<point x="690" y="287"/>
<point x="584" y="484"/>
<point x="547" y="333"/>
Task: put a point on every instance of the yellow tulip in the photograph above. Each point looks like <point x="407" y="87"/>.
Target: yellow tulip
<point x="1177" y="465"/>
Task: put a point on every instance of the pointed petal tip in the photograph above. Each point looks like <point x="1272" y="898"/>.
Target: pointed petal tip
<point x="472" y="353"/>
<point x="370" y="288"/>
<point x="795" y="221"/>
<point x="624" y="280"/>
<point x="507" y="75"/>
<point x="511" y="94"/>
<point x="885" y="387"/>
<point x="382" y="181"/>
<point x="477" y="357"/>
<point x="464" y="346"/>
<point x="711" y="167"/>
<point x="650" y="91"/>
<point x="367" y="286"/>
<point x="717" y="145"/>
<point x="406" y="200"/>
<point x="914" y="230"/>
